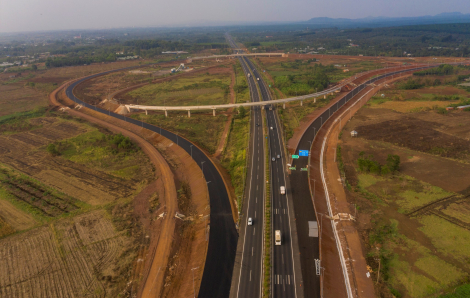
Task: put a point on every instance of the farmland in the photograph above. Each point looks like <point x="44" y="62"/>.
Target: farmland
<point x="30" y="89"/>
<point x="80" y="257"/>
<point x="414" y="221"/>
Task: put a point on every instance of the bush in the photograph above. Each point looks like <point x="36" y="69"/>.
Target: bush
<point x="51" y="148"/>
<point x="366" y="164"/>
<point x="410" y="85"/>
<point x="395" y="293"/>
<point x="442" y="111"/>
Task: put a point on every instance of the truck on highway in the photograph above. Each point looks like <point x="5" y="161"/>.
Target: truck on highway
<point x="283" y="190"/>
<point x="277" y="238"/>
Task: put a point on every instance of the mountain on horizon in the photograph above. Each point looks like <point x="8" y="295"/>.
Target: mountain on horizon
<point x="442" y="18"/>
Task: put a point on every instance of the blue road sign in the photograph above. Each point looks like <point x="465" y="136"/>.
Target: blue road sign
<point x="303" y="152"/>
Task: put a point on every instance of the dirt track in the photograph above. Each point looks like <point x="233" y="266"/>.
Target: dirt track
<point x="155" y="280"/>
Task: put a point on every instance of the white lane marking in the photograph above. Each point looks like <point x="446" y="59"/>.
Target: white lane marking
<point x="288" y="278"/>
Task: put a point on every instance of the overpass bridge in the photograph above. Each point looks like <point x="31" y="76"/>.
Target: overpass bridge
<point x="239" y="55"/>
<point x="324" y="93"/>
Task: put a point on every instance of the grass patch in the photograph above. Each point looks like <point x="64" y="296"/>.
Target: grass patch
<point x="203" y="89"/>
<point x="242" y="92"/>
<point x="234" y="155"/>
<point x="202" y="129"/>
<point x="459" y="292"/>
<point x="114" y="154"/>
<point x="448" y="238"/>
<point x="412" y="199"/>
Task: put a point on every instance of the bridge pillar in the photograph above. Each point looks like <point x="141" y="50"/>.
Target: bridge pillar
<point x="301" y="103"/>
<point x="213" y="112"/>
<point x="314" y="100"/>
<point x="284" y="106"/>
<point x="166" y="113"/>
<point x="146" y="112"/>
<point x="324" y="96"/>
<point x="189" y="113"/>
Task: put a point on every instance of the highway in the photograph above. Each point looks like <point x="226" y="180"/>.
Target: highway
<point x="285" y="278"/>
<point x="223" y="236"/>
<point x="247" y="277"/>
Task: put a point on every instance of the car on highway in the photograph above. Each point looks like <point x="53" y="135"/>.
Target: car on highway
<point x="278" y="238"/>
<point x="271" y="128"/>
<point x="278" y="156"/>
<point x="250" y="221"/>
<point x="273" y="159"/>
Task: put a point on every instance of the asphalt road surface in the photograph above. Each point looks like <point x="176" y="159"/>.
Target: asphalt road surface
<point x="247" y="278"/>
<point x="223" y="236"/>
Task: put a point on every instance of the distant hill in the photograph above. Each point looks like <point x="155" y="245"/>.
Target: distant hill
<point x="443" y="18"/>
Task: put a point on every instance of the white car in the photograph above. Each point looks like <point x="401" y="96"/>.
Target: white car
<point x="273" y="159"/>
<point x="250" y="221"/>
<point x="278" y="156"/>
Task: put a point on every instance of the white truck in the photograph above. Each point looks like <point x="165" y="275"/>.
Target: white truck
<point x="277" y="238"/>
<point x="283" y="190"/>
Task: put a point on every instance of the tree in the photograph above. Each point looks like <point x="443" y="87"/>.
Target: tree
<point x="393" y="162"/>
<point x="34" y="67"/>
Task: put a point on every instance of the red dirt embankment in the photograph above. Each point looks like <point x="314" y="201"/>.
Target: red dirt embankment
<point x="158" y="279"/>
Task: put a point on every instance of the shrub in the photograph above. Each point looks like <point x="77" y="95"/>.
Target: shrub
<point x="442" y="111"/>
<point x="52" y="149"/>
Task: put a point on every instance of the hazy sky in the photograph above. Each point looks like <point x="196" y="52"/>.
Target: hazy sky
<point x="33" y="15"/>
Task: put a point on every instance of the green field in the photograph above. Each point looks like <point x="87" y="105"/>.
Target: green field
<point x="421" y="256"/>
<point x="203" y="89"/>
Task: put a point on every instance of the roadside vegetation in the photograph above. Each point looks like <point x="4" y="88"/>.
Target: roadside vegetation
<point x="235" y="153"/>
<point x="242" y="91"/>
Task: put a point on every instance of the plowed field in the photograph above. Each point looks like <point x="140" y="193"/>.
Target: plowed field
<point x="25" y="152"/>
<point x="66" y="259"/>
